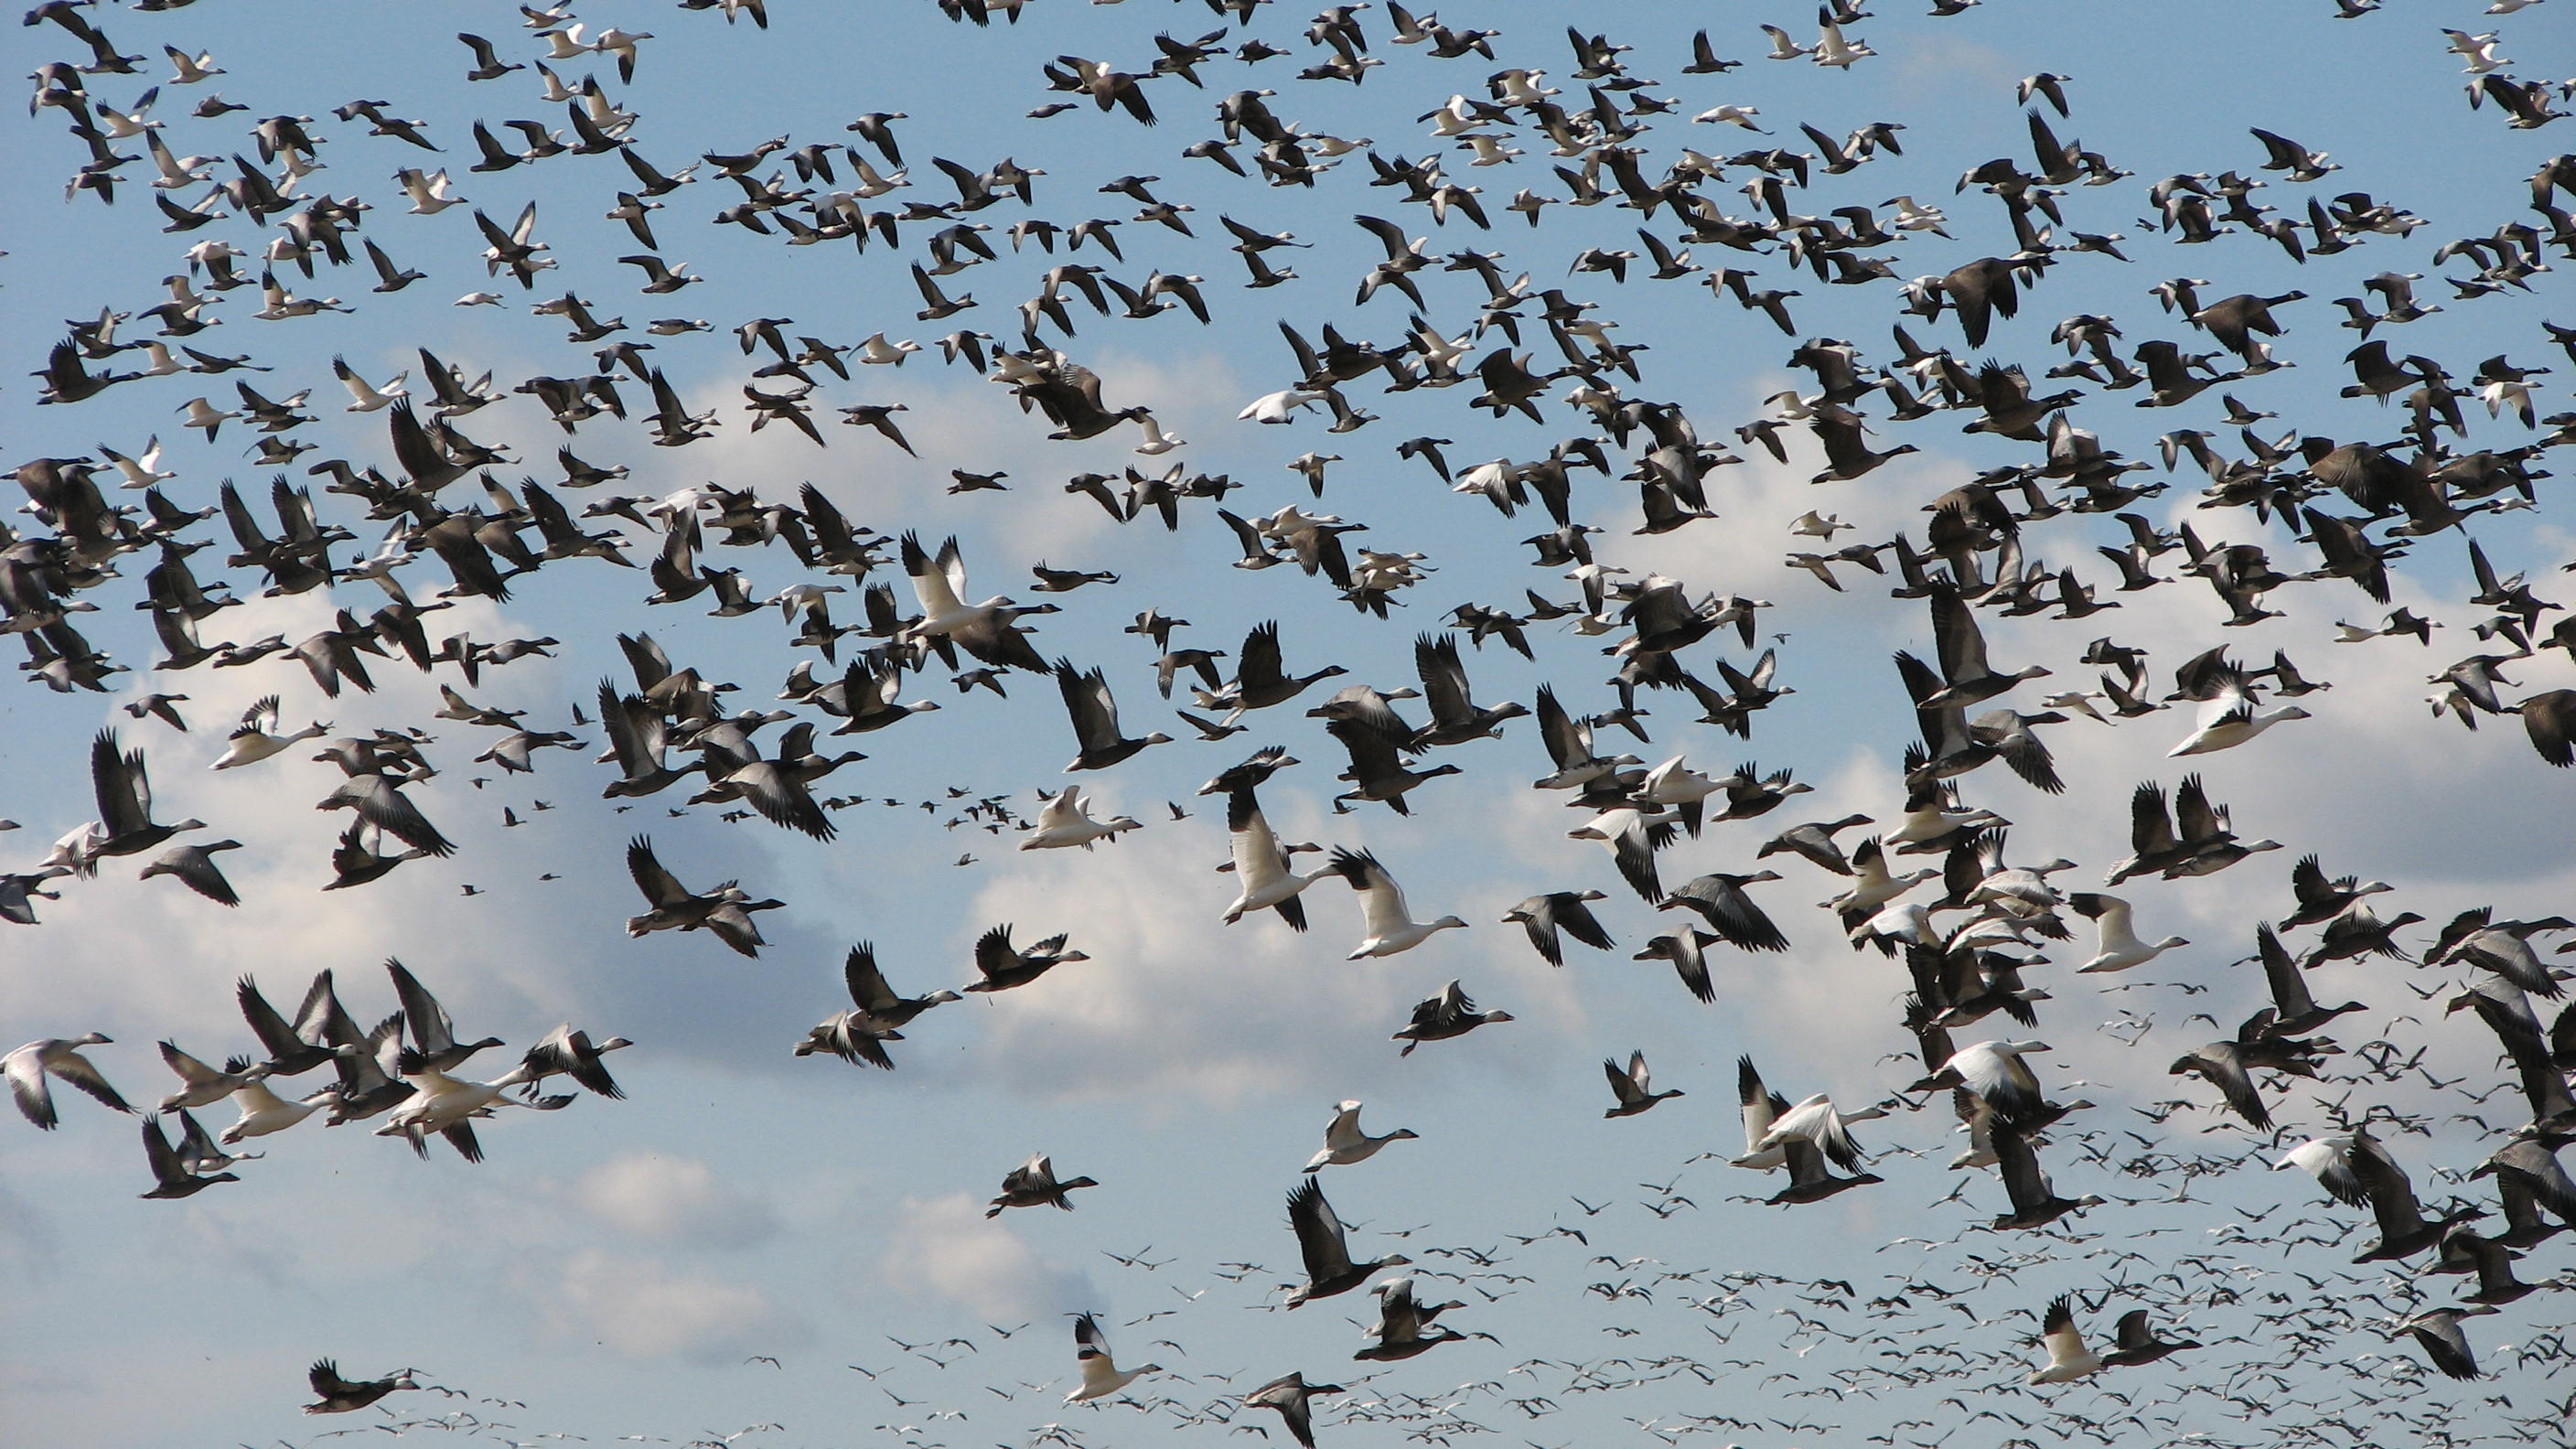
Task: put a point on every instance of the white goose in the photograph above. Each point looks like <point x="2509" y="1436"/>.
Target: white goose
<point x="937" y="580"/>
<point x="1816" y="1121"/>
<point x="2068" y="1358"/>
<point x="1995" y="1071"/>
<point x="1383" y="914"/>
<point x="2120" y="947"/>
<point x="1101" y="1375"/>
<point x="1066" y="821"/>
<point x="264" y="1112"/>
<point x="364" y="396"/>
<point x="877" y="351"/>
<point x="1872" y="885"/>
<point x="251" y="742"/>
<point x="1261" y="866"/>
<point x="1345" y="1142"/>
<point x="1157" y="442"/>
<point x="444" y="1104"/>
<point x="1762" y="1108"/>
<point x="2230" y="720"/>
<point x="1676" y="784"/>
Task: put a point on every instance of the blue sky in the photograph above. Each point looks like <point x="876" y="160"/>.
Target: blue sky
<point x="621" y="1268"/>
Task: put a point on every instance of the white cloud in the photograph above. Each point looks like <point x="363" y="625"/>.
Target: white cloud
<point x="647" y="1309"/>
<point x="944" y="1250"/>
<point x="674" y="1200"/>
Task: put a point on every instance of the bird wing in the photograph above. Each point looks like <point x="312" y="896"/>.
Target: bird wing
<point x="994" y="952"/>
<point x="659" y="886"/>
<point x="2195" y="819"/>
<point x="431" y="1029"/>
<point x="931" y="586"/>
<point x="1255" y="847"/>
<point x="1343" y="1132"/>
<point x="124" y="795"/>
<point x="1087" y="701"/>
<point x="867" y="985"/>
<point x="1576" y="920"/>
<point x="1259" y="663"/>
<point x="2392" y="1197"/>
<point x="1319" y="1232"/>
<point x="27" y="1083"/>
<point x="2057" y="1331"/>
<point x="1954" y="630"/>
<point x="1444" y="678"/>
<point x="1382" y="908"/>
<point x="157" y="1153"/>
<point x="2290" y="998"/>
<point x="2150" y="827"/>
<point x="1567" y="743"/>
<point x="1733" y="914"/>
<point x="2023" y="1180"/>
<point x="1758" y="1113"/>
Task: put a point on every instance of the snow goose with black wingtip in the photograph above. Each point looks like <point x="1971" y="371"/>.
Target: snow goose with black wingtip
<point x="1385" y="918"/>
<point x="2230" y="719"/>
<point x="1995" y="1071"/>
<point x="1762" y="1107"/>
<point x="1873" y="886"/>
<point x="1066" y="820"/>
<point x="2068" y="1358"/>
<point x="1346" y="1143"/>
<point x="1100" y="1372"/>
<point x="252" y="741"/>
<point x="447" y="1105"/>
<point x="1816" y="1121"/>
<point x="2120" y="948"/>
<point x="1261" y="865"/>
<point x="264" y="1112"/>
<point x="984" y="630"/>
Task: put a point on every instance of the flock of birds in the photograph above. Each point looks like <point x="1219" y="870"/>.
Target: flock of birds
<point x="392" y="538"/>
